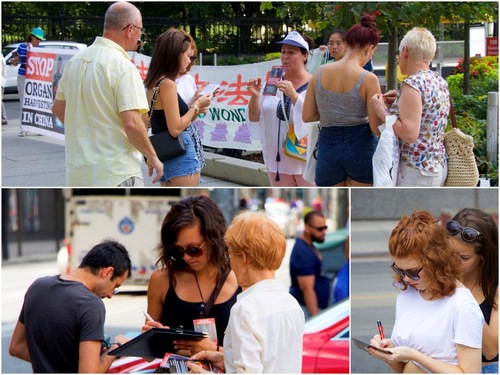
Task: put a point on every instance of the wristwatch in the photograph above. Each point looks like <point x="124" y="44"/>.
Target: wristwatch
<point x="196" y="109"/>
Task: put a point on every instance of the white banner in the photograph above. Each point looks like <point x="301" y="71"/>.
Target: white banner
<point x="223" y="126"/>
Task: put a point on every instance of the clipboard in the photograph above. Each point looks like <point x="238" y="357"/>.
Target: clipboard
<point x="155" y="342"/>
<point x="364" y="346"/>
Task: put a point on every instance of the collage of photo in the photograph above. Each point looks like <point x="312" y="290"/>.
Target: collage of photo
<point x="258" y="187"/>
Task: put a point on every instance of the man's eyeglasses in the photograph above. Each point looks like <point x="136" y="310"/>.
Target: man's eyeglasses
<point x="321" y="229"/>
<point x="412" y="274"/>
<point x="143" y="30"/>
<point x="191" y="251"/>
<point x="468" y="234"/>
<point x="397" y="54"/>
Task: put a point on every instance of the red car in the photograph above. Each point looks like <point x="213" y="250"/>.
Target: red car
<point x="325" y="349"/>
<point x="326" y="341"/>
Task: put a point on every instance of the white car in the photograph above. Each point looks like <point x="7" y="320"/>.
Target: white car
<point x="11" y="84"/>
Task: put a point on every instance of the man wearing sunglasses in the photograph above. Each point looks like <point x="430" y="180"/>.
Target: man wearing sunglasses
<point x="310" y="286"/>
<point x="100" y="100"/>
<point x="61" y="324"/>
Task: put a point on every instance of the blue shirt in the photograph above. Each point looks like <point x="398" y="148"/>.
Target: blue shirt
<point x="305" y="262"/>
<point x="22" y="50"/>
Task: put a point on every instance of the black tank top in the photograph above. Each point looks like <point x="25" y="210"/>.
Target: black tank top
<point x="177" y="312"/>
<point x="486" y="309"/>
<point x="158" y="119"/>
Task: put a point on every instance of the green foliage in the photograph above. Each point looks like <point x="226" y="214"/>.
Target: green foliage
<point x="233" y="60"/>
<point x="477" y="129"/>
<point x="471" y="110"/>
<point x="270" y="56"/>
<point x="483" y="80"/>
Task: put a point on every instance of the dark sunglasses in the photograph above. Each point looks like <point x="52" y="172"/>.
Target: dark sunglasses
<point x="321" y="229"/>
<point x="191" y="251"/>
<point x="193" y="58"/>
<point x="411" y="274"/>
<point x="468" y="234"/>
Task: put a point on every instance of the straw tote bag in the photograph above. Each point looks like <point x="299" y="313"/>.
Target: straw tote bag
<point x="462" y="167"/>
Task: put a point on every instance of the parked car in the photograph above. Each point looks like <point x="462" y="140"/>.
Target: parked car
<point x="333" y="251"/>
<point x="326" y="341"/>
<point x="11" y="84"/>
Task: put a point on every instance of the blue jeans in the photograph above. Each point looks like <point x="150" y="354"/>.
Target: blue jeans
<point x="345" y="152"/>
<point x="490" y="369"/>
<point x="183" y="165"/>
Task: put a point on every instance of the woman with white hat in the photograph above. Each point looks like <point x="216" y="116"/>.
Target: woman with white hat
<point x="21" y="57"/>
<point x="270" y="116"/>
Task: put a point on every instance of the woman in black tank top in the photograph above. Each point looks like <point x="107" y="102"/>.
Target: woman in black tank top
<point x="475" y="237"/>
<point x="195" y="280"/>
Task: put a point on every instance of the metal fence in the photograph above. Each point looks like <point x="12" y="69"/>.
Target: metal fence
<point x="223" y="35"/>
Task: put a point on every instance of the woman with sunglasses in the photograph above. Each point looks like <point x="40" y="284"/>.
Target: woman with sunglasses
<point x="265" y="330"/>
<point x="171" y="55"/>
<point x="194" y="263"/>
<point x="474" y="235"/>
<point x="438" y="323"/>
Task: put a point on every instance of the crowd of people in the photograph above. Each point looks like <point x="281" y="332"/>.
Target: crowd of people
<point x="342" y="99"/>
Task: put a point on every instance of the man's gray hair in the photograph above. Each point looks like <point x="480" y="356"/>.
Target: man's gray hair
<point x="120" y="14"/>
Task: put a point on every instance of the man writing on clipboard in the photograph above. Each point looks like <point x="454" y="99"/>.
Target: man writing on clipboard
<point x="69" y="340"/>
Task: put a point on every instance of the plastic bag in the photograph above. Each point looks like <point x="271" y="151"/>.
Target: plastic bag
<point x="386" y="157"/>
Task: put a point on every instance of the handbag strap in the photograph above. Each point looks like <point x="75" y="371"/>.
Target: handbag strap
<point x="452" y="114"/>
<point x="211" y="300"/>
<point x="154" y="98"/>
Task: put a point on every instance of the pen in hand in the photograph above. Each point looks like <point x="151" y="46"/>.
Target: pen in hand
<point x="380" y="329"/>
<point x="148" y="317"/>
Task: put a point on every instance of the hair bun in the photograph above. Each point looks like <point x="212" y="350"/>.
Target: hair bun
<point x="367" y="20"/>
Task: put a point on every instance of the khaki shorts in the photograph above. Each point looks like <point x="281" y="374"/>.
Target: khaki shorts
<point x="412" y="177"/>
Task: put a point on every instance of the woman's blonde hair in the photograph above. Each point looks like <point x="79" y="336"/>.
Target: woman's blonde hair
<point x="260" y="238"/>
<point x="420" y="43"/>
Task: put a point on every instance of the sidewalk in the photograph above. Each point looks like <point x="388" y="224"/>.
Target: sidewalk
<point x="370" y="238"/>
<point x="39" y="161"/>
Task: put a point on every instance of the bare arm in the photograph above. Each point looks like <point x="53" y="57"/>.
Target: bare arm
<point x="372" y="88"/>
<point x="407" y="127"/>
<point x="18" y="344"/>
<point x="306" y="285"/>
<point x="169" y="101"/>
<point x="138" y="137"/>
<point x="469" y="359"/>
<point x="157" y="290"/>
<point x="490" y="334"/>
<point x="91" y="360"/>
<point x="254" y="86"/>
<point x="310" y="111"/>
<point x="59" y="109"/>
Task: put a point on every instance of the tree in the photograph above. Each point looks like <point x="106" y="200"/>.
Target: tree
<point x="393" y="18"/>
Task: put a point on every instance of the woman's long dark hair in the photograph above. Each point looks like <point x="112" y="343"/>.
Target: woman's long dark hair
<point x="486" y="246"/>
<point x="165" y="61"/>
<point x="201" y="210"/>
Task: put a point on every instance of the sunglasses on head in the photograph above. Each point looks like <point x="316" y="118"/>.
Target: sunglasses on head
<point x="410" y="273"/>
<point x="191" y="251"/>
<point x="468" y="234"/>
